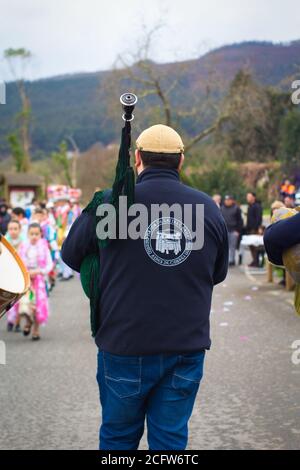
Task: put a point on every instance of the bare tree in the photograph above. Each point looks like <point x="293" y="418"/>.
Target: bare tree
<point x="61" y="158"/>
<point x="75" y="157"/>
<point x="157" y="89"/>
<point x="254" y="113"/>
<point x="22" y="56"/>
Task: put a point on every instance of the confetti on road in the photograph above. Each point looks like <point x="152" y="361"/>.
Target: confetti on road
<point x="227" y="304"/>
<point x="254" y="288"/>
<point x="225" y="309"/>
<point x="224" y="324"/>
<point x="244" y="338"/>
<point x="248" y="297"/>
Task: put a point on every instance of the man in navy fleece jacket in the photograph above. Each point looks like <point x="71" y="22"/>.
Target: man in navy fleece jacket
<point x="155" y="300"/>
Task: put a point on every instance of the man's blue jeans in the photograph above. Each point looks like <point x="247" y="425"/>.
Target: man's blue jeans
<point x="161" y="388"/>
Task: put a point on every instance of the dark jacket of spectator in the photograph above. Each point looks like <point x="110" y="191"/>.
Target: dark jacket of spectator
<point x="233" y="218"/>
<point x="4" y="219"/>
<point x="254" y="217"/>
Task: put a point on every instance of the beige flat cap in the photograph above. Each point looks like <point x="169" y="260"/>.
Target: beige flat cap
<point x="277" y="205"/>
<point x="160" y="139"/>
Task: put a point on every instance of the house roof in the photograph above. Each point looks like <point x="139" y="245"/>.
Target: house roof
<point x="23" y="179"/>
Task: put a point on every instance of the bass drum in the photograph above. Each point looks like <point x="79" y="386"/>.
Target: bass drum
<point x="14" y="277"/>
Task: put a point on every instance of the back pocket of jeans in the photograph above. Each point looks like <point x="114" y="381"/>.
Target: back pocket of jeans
<point x="188" y="373"/>
<point x="122" y="374"/>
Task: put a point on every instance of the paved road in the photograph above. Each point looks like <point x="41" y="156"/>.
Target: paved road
<point x="249" y="397"/>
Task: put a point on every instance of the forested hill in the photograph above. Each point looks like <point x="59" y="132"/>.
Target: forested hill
<point x="76" y="105"/>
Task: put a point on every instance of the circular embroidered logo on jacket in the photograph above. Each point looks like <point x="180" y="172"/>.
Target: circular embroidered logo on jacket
<point x="168" y="241"/>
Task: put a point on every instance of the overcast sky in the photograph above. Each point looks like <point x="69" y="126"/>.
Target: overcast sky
<point x="68" y="36"/>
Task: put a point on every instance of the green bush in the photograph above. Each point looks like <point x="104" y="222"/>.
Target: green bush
<point x="222" y="178"/>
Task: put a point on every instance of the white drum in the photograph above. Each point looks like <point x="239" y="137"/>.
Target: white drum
<point x="14" y="278"/>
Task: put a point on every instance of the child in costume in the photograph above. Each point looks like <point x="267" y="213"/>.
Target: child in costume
<point x="64" y="219"/>
<point x="49" y="233"/>
<point x="37" y="258"/>
<point x="15" y="237"/>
